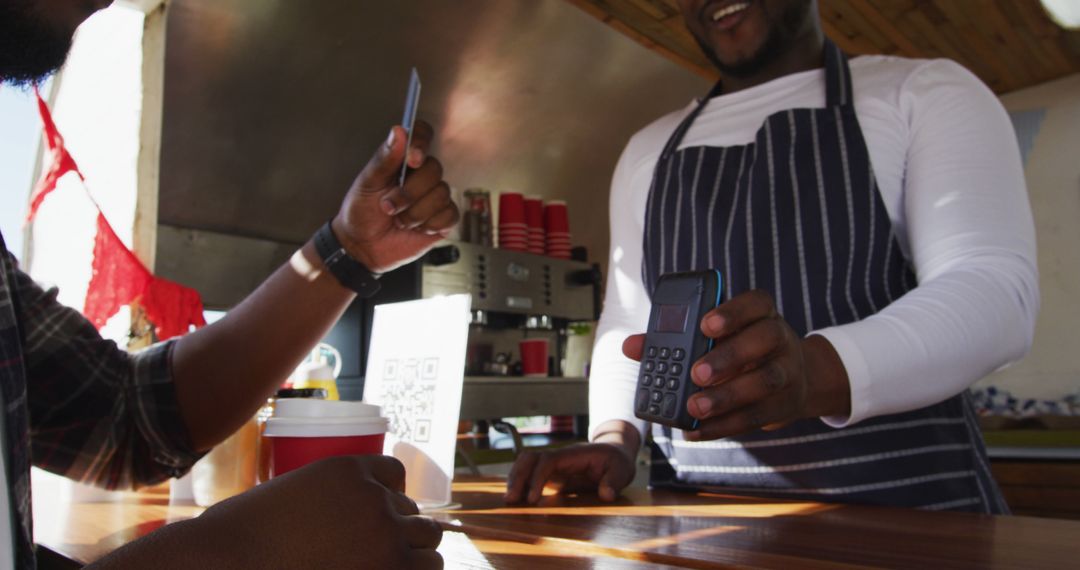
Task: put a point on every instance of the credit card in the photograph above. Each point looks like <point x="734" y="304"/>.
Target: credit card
<point x="412" y="100"/>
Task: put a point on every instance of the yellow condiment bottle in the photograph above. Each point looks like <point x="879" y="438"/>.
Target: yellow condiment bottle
<point x="316" y="373"/>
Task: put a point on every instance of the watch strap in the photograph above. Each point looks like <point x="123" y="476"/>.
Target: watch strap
<point x="348" y="271"/>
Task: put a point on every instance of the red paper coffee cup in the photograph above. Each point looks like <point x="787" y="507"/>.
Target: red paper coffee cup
<point x="303" y="431"/>
<point x="511" y="208"/>
<point x="534" y="356"/>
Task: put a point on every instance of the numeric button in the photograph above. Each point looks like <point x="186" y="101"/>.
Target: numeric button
<point x="669" y="406"/>
<point x="661" y="368"/>
<point x="646" y="380"/>
<point x="679" y="354"/>
<point x="676" y="369"/>
<point x="652" y="352"/>
<point x="665" y="353"/>
<point x="650" y="366"/>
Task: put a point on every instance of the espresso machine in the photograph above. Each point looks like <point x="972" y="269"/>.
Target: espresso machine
<point x="515" y="296"/>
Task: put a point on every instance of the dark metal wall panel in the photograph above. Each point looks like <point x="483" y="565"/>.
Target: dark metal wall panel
<point x="272" y="106"/>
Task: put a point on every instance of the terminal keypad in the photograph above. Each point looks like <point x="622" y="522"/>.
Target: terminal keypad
<point x="660" y="380"/>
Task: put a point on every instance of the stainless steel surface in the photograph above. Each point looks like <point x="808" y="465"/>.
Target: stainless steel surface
<point x="502" y="281"/>
<point x="272" y="106"/>
<point x="509" y="397"/>
<point x="538" y="322"/>
<point x="223" y="268"/>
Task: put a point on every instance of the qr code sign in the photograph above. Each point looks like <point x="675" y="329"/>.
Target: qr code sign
<point x="408" y="397"/>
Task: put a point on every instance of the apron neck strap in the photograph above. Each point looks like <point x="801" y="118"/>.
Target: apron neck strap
<point x="680" y="131"/>
<point x="837" y="93"/>
<point x="837" y="77"/>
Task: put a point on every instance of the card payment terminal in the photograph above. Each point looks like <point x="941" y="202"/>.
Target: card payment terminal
<point x="673" y="343"/>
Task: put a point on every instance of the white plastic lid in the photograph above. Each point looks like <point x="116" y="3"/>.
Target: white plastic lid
<point x="308" y="417"/>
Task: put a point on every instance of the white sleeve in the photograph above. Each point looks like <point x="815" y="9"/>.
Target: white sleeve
<point x="972" y="244"/>
<point x="613" y="376"/>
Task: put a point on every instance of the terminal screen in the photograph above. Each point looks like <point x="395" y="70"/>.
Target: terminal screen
<point x="672" y="318"/>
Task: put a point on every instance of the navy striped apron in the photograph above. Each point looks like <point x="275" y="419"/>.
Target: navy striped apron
<point x="798" y="214"/>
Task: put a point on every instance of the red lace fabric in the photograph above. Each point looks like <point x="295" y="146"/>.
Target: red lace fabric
<point x="118" y="277"/>
<point x="61" y="162"/>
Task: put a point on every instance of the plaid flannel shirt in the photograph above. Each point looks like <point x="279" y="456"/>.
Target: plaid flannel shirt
<point x="76" y="404"/>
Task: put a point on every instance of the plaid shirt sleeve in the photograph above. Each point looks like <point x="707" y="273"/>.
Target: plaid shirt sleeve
<point x="98" y="414"/>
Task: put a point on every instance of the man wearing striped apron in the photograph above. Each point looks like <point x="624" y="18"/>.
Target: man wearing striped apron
<point x="871" y="225"/>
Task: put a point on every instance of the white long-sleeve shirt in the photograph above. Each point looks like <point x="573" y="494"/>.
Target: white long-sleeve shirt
<point x="949" y="171"/>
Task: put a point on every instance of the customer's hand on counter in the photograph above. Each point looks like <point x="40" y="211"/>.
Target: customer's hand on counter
<point x="342" y="512"/>
<point x="385" y="225"/>
<point x="605" y="466"/>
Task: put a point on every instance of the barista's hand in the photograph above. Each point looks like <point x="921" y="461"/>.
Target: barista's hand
<point x="759" y="374"/>
<point x="605" y="466"/>
<point x="384" y="225"/>
<point x="336" y="513"/>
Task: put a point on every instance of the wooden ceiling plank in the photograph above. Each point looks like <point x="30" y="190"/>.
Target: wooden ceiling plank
<point x="1005" y="43"/>
<point x="873" y="35"/>
<point x="928" y="43"/>
<point x="896" y="9"/>
<point x="838" y="27"/>
<point x="960" y="17"/>
<point x="631" y="21"/>
<point x="1022" y="41"/>
<point x="1067" y="46"/>
<point x="920" y="20"/>
<point x="1035" y="17"/>
<point x="592" y="9"/>
<point x="1008" y="43"/>
<point x="840" y="38"/>
<point x="887" y="28"/>
<point x="836" y="20"/>
<point x="655" y="8"/>
<point x="635" y="19"/>
<point x="920" y="26"/>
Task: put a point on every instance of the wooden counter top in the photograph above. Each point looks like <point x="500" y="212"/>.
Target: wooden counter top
<point x="643" y="529"/>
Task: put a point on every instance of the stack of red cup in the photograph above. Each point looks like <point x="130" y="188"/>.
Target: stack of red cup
<point x="513" y="231"/>
<point x="557" y="225"/>
<point x="534" y="220"/>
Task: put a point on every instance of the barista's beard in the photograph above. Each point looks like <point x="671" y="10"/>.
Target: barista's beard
<point x="30" y="49"/>
<point x="781" y="37"/>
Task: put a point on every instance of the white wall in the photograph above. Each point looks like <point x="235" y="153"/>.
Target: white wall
<point x="1052" y="370"/>
<point x="97" y="109"/>
<point x="20" y="130"/>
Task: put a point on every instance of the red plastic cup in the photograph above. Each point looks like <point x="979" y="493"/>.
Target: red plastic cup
<point x="534" y="356"/>
<point x="511" y="208"/>
<point x="556" y="217"/>
<point x="304" y="430"/>
<point x="534" y="212"/>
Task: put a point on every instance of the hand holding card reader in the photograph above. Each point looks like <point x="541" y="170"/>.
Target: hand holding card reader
<point x="673" y="343"/>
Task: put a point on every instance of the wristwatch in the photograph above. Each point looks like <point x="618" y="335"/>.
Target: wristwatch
<point x="350" y="272"/>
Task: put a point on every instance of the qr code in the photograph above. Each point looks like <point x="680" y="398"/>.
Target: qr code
<point x="408" y="397"/>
